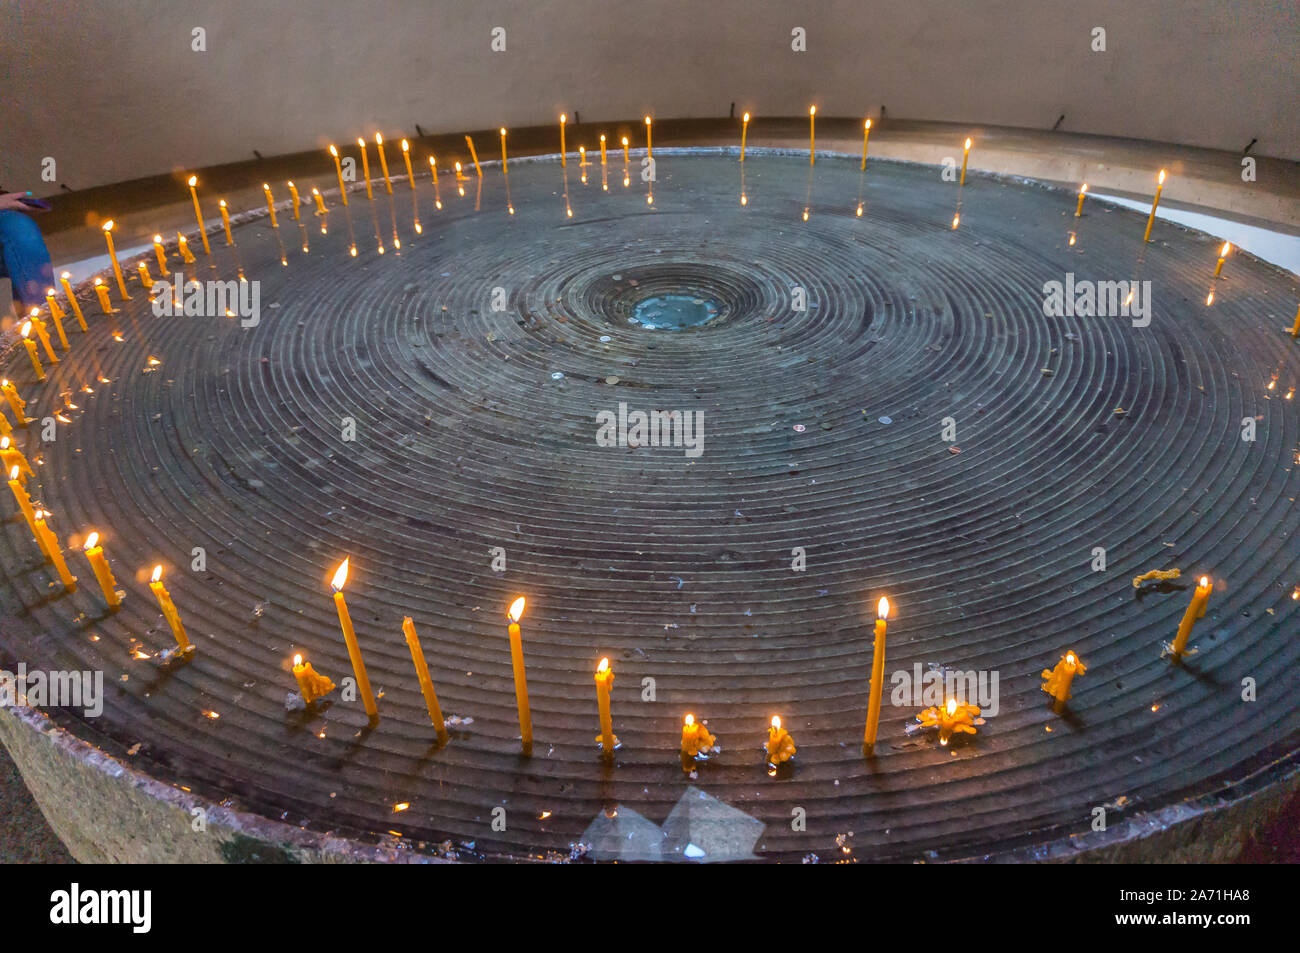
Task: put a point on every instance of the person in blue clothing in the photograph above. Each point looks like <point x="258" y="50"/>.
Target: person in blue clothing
<point x="24" y="259"/>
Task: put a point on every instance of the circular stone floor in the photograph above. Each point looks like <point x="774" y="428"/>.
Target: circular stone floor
<point x="476" y="428"/>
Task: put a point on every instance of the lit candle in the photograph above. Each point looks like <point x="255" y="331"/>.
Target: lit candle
<point x="72" y="299"/>
<point x="696" y="741"/>
<point x="320" y="202"/>
<point x="602" y="148"/>
<point x="350" y="637"/>
<point x="39" y="327"/>
<point x="406" y="157"/>
<point x="1223" y="256"/>
<point x="103" y="575"/>
<point x="473" y="155"/>
<point x="161" y="254"/>
<point x="426" y="684"/>
<point x="866" y="133"/>
<point x="225" y="222"/>
<point x="812" y="134"/>
<point x="1078" y="209"/>
<point x="23" y="499"/>
<point x="112" y="256"/>
<point x="56" y="313"/>
<point x="780" y="745"/>
<point x="1056" y="681"/>
<point x="383" y="161"/>
<point x="648" y="150"/>
<point x="1151" y="219"/>
<point x="183" y="246"/>
<point x="521" y="681"/>
<point x="169" y="611"/>
<point x="145" y="279"/>
<point x="54" y="551"/>
<point x="270" y="204"/>
<point x="504" y="167"/>
<point x="365" y="168"/>
<point x="604" y="679"/>
<point x="311" y="684"/>
<point x="1195" y="609"/>
<point x="293" y="197"/>
<point x="965" y="157"/>
<point x="198" y="215"/>
<point x="563" y="155"/>
<point x="877" y="678"/>
<point x="1295" y="328"/>
<point x="338" y="168"/>
<point x="953" y="718"/>
<point x="16" y="403"/>
<point x="12" y="458"/>
<point x="744" y="134"/>
<point x="625" y="152"/>
<point x="31" y="350"/>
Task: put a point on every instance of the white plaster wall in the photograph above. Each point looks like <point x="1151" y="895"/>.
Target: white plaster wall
<point x="112" y="90"/>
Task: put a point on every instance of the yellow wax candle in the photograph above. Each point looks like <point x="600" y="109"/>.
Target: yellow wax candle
<point x="780" y="744"/>
<point x="866" y="133"/>
<point x="744" y="134"/>
<point x="161" y="254"/>
<point x="103" y="575"/>
<point x="406" y="157"/>
<point x="952" y="718"/>
<point x="112" y="256"/>
<point x="504" y="166"/>
<point x="521" y="681"/>
<point x="31" y="350"/>
<point x="563" y="155"/>
<point x="183" y="246"/>
<point x="72" y="299"/>
<point x="1195" y="609"/>
<point x="169" y="610"/>
<point x="350" y="637"/>
<point x="1295" y="328"/>
<point x="5" y="429"/>
<point x="338" y="169"/>
<point x="311" y="683"/>
<point x="626" y="154"/>
<point x="1223" y="256"/>
<point x="602" y="148"/>
<point x="426" y="684"/>
<point x="365" y="168"/>
<point x="1151" y="219"/>
<point x="473" y="155"/>
<point x="965" y="157"/>
<point x="16" y="403"/>
<point x="198" y="214"/>
<point x="39" y="327"/>
<point x="604" y="679"/>
<point x="145" y="279"/>
<point x="1083" y="192"/>
<point x="320" y="202"/>
<point x="696" y="740"/>
<point x="23" y="499"/>
<point x="54" y="551"/>
<point x="1056" y="681"/>
<point x="812" y="135"/>
<point x="270" y="204"/>
<point x="649" y="151"/>
<point x="383" y="161"/>
<point x="877" y="678"/>
<point x="56" y="314"/>
<point x="11" y="457"/>
<point x="293" y="197"/>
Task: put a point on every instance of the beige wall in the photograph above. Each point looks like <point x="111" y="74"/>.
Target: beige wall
<point x="111" y="89"/>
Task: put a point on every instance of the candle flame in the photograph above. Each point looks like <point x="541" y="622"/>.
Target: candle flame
<point x="690" y="720"/>
<point x="406" y="146"/>
<point x="1069" y="658"/>
<point x="1223" y="252"/>
<point x="13" y="472"/>
<point x="157" y="239"/>
<point x="952" y="706"/>
<point x="503" y="130"/>
<point x="66" y="274"/>
<point x="1083" y="188"/>
<point x="26" y="329"/>
<point x="297" y="660"/>
<point x="563" y="118"/>
<point x="1161" y="178"/>
<point x="108" y="226"/>
<point x="340" y="576"/>
<point x="1205" y="581"/>
<point x="647" y="120"/>
<point x="602" y="137"/>
<point x="776" y="722"/>
<point x="882" y="607"/>
<point x="4" y="443"/>
<point x="625" y="140"/>
<point x="91" y="540"/>
<point x="379" y="139"/>
<point x="868" y="124"/>
<point x="194" y="180"/>
<point x="157" y="573"/>
<point x="745" y="118"/>
<point x="967" y="146"/>
<point x="334" y="151"/>
<point x="956" y="220"/>
<point x="516" y="609"/>
<point x="603" y="666"/>
<point x="361" y="142"/>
